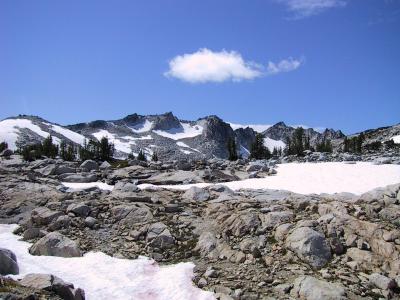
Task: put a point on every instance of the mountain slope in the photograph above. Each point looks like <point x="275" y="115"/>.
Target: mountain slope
<point x="167" y="135"/>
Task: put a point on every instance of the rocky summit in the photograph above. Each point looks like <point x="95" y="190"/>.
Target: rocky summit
<point x="245" y="244"/>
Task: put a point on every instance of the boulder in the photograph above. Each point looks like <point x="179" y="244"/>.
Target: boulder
<point x="206" y="243"/>
<point x="61" y="222"/>
<point x="382" y="282"/>
<point x="89" y="165"/>
<point x="274" y="218"/>
<point x="62" y="169"/>
<point x="8" y="262"/>
<point x="44" y="216"/>
<point x="105" y="165"/>
<point x="159" y="236"/>
<point x="47" y="170"/>
<point x="125" y="187"/>
<point x="55" y="244"/>
<point x="6" y="153"/>
<point x="310" y="288"/>
<point x="79" y="209"/>
<point x="90" y="222"/>
<point x="130" y="215"/>
<point x="196" y="194"/>
<point x="78" y="178"/>
<point x="54" y="284"/>
<point x="310" y="246"/>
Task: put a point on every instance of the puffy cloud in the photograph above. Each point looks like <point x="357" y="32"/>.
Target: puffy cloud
<point x="285" y="65"/>
<point x="209" y="66"/>
<point x="306" y="8"/>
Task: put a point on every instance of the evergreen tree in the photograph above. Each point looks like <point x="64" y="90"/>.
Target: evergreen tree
<point x="141" y="156"/>
<point x="232" y="152"/>
<point x="258" y="149"/>
<point x="154" y="157"/>
<point x="346" y="145"/>
<point x="324" y="146"/>
<point x="131" y="155"/>
<point x="360" y="140"/>
<point x="3" y="146"/>
<point x="106" y="149"/>
<point x="48" y="148"/>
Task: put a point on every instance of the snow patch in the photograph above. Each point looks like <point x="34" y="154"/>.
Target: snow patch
<point x="105" y="277"/>
<point x="256" y="127"/>
<point x="396" y="139"/>
<point x="69" y="134"/>
<point x="186" y="131"/>
<point x="142" y="127"/>
<point x="182" y="144"/>
<point x="185" y="151"/>
<point x="119" y="144"/>
<point x="86" y="185"/>
<point x="10" y="130"/>
<point x="317" y="178"/>
<point x="271" y="144"/>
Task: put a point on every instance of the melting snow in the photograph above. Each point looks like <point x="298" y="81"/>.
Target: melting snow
<point x="69" y="134"/>
<point x="317" y="178"/>
<point x="105" y="277"/>
<point x="9" y="131"/>
<point x="258" y="128"/>
<point x="118" y="143"/>
<point x="185" y="151"/>
<point x="396" y="139"/>
<point x="86" y="185"/>
<point x="182" y="144"/>
<point x="142" y="127"/>
<point x="186" y="131"/>
<point x="271" y="144"/>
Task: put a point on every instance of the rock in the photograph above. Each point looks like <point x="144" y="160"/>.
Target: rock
<point x="274" y="218"/>
<point x="79" y="209"/>
<point x="256" y="166"/>
<point x="78" y="178"/>
<point x="6" y="153"/>
<point x="196" y="194"/>
<point x="44" y="216"/>
<point x="33" y="233"/>
<point x="382" y="282"/>
<point x="8" y="262"/>
<point x="89" y="165"/>
<point x="310" y="245"/>
<point x="62" y="169"/>
<point x="105" y="165"/>
<point x="60" y="222"/>
<point x="282" y="230"/>
<point x="47" y="170"/>
<point x="55" y="244"/>
<point x="125" y="187"/>
<point x="206" y="243"/>
<point x="130" y="215"/>
<point x="159" y="236"/>
<point x="54" y="284"/>
<point x="310" y="288"/>
<point x="90" y="222"/>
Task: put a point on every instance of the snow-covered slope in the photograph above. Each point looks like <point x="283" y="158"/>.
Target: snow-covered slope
<point x="271" y="144"/>
<point x="185" y="131"/>
<point x="105" y="277"/>
<point x="317" y="178"/>
<point x="396" y="139"/>
<point x="256" y="127"/>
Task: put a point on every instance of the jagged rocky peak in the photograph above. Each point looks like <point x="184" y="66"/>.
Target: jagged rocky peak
<point x="215" y="128"/>
<point x="165" y="122"/>
<point x="279" y="131"/>
<point x="332" y="134"/>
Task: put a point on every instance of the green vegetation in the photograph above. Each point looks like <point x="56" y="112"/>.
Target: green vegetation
<point x="258" y="149"/>
<point x="232" y="151"/>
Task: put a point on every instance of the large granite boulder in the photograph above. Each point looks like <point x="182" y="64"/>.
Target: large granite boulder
<point x="55" y="244"/>
<point x="8" y="262"/>
<point x="310" y="246"/>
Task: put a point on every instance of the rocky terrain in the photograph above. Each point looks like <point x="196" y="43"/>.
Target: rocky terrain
<point x="246" y="244"/>
<point x="170" y="137"/>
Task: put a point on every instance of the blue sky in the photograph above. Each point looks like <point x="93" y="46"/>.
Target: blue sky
<point x="333" y="63"/>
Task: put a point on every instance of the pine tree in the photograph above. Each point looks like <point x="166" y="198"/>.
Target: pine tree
<point x="232" y="151"/>
<point x="258" y="149"/>
<point x="3" y="146"/>
<point x="141" y="156"/>
<point x="346" y="145"/>
<point x="106" y="149"/>
<point x="154" y="157"/>
<point x="48" y="148"/>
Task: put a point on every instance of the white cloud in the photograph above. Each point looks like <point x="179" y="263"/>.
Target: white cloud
<point x="208" y="66"/>
<point x="285" y="65"/>
<point x="306" y="8"/>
